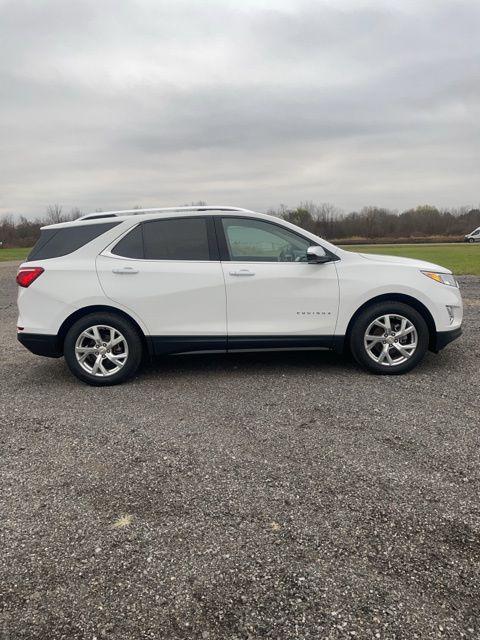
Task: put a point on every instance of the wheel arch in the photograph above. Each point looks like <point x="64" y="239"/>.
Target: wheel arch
<point x="398" y="297"/>
<point x="99" y="308"/>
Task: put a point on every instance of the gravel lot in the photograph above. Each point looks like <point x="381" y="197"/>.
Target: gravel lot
<point x="240" y="497"/>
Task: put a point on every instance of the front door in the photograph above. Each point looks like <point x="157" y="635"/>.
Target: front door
<point x="275" y="297"/>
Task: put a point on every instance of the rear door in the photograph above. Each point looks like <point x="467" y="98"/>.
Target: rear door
<point x="167" y="271"/>
<point x="275" y="297"/>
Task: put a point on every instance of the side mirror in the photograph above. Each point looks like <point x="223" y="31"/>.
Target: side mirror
<point x="317" y="255"/>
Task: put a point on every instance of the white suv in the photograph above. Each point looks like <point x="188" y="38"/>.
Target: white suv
<point x="474" y="236"/>
<point x="109" y="287"/>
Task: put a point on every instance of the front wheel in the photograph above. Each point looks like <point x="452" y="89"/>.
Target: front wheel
<point x="389" y="338"/>
<point x="103" y="349"/>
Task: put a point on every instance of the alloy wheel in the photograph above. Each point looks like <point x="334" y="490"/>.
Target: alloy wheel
<point x="391" y="340"/>
<point x="101" y="350"/>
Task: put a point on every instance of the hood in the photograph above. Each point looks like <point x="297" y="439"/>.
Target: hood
<point x="408" y="262"/>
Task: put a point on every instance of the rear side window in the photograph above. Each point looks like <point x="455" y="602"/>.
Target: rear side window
<point x="60" y="242"/>
<point x="131" y="245"/>
<point x="176" y="239"/>
<point x="173" y="239"/>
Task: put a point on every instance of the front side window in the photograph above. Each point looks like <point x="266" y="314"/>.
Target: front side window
<point x="172" y="239"/>
<point x="258" y="241"/>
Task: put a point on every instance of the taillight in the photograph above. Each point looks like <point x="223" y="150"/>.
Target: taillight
<point x="27" y="275"/>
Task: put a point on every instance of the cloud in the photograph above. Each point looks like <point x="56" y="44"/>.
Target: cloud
<point x="255" y="103"/>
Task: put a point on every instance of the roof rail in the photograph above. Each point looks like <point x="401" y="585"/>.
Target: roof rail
<point x="97" y="215"/>
<point x="136" y="212"/>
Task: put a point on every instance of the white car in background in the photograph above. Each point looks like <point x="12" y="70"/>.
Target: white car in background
<point x="474" y="236"/>
<point x="109" y="287"/>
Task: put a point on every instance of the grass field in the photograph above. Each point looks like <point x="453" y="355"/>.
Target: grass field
<point x="19" y="254"/>
<point x="462" y="259"/>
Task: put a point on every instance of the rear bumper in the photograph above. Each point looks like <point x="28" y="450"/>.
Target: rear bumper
<point x="41" y="344"/>
<point x="445" y="337"/>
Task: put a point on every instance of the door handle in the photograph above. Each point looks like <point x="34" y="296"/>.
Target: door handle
<point x="124" y="270"/>
<point x="242" y="272"/>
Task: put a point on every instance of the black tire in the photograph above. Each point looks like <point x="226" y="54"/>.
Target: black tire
<point x="128" y="332"/>
<point x="363" y="321"/>
<point x="471" y="240"/>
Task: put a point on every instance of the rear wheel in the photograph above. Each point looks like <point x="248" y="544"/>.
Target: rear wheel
<point x="103" y="349"/>
<point x="389" y="338"/>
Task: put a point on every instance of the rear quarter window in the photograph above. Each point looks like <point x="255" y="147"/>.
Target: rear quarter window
<point x="60" y="242"/>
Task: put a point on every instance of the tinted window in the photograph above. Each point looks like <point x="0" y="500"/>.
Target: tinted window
<point x="176" y="239"/>
<point x="59" y="242"/>
<point x="45" y="236"/>
<point x="131" y="245"/>
<point x="258" y="241"/>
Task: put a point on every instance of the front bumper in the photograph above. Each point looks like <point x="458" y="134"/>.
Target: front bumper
<point x="445" y="337"/>
<point x="41" y="344"/>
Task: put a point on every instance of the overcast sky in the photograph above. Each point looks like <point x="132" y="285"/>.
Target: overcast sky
<point x="109" y="104"/>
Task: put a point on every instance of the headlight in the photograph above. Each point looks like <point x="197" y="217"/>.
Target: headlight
<point x="443" y="278"/>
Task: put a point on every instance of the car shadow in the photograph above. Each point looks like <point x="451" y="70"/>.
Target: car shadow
<point x="251" y="362"/>
<point x="46" y="371"/>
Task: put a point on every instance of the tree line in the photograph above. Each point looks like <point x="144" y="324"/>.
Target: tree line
<point x="22" y="232"/>
<point x="372" y="224"/>
<point x="421" y="223"/>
